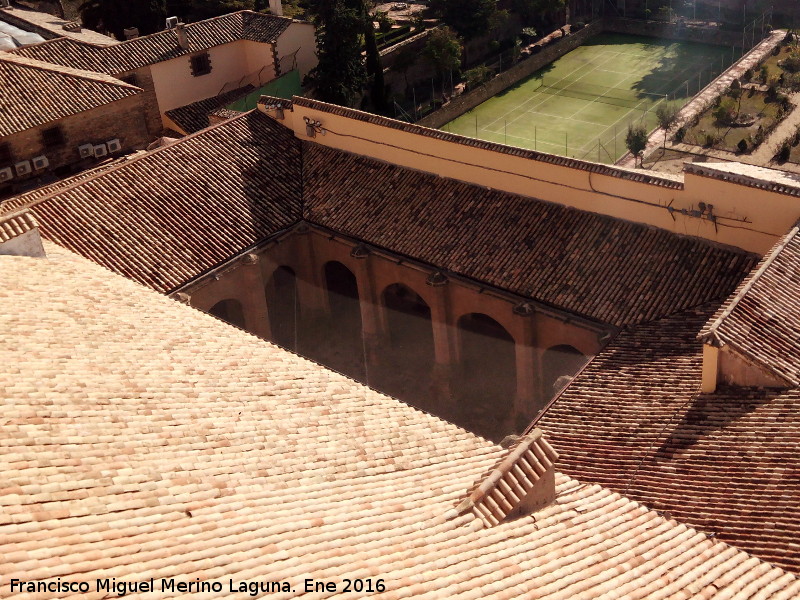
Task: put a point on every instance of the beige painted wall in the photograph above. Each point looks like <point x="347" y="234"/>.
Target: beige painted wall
<point x="768" y="214"/>
<point x="176" y="86"/>
<point x="299" y="36"/>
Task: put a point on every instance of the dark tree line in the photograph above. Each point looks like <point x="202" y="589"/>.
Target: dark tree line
<point x="150" y="15"/>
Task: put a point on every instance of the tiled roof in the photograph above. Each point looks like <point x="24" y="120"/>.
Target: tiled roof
<point x="607" y="269"/>
<point x="762" y="178"/>
<point x="142" y="438"/>
<point x="762" y="318"/>
<point x="161" y="46"/>
<point x="170" y="215"/>
<point x="35" y="92"/>
<point x="12" y="226"/>
<point x="727" y="463"/>
<point x="642" y="176"/>
<point x="194" y="117"/>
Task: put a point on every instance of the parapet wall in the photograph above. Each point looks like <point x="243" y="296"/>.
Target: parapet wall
<point x="458" y="106"/>
<point x="749" y="211"/>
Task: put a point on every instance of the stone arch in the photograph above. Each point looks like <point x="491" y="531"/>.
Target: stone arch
<point x="282" y="306"/>
<point x="343" y="349"/>
<point x="487" y="381"/>
<point x="229" y="310"/>
<point x="559" y="365"/>
<point x="406" y="364"/>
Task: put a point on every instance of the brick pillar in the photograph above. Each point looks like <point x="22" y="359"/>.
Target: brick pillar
<point x="444" y="341"/>
<point x="252" y="297"/>
<point x="371" y="328"/>
<point x="526" y="399"/>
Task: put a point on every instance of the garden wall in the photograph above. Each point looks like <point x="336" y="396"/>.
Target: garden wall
<point x="673" y="31"/>
<point x="458" y="106"/>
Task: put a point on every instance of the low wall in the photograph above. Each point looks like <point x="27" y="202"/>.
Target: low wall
<point x="458" y="106"/>
<point x="673" y="31"/>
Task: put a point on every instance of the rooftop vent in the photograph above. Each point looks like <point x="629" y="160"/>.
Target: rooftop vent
<point x="172" y="22"/>
<point x="519" y="483"/>
<point x="183" y="39"/>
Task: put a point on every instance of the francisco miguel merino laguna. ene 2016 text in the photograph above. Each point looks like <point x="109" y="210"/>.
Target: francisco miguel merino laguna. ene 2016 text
<point x="253" y="588"/>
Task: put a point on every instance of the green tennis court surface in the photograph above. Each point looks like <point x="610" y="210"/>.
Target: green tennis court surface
<point x="581" y="104"/>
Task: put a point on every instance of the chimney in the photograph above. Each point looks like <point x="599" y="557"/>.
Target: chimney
<point x="519" y="483"/>
<point x="131" y="33"/>
<point x="276" y="8"/>
<point x="183" y="40"/>
<point x="19" y="235"/>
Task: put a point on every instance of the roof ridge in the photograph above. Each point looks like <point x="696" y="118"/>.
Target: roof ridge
<point x="711" y="331"/>
<point x="96" y="76"/>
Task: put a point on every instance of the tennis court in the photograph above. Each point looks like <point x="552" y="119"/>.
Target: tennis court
<point x="581" y="104"/>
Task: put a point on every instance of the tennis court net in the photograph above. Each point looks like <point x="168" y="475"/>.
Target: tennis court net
<point x="597" y="93"/>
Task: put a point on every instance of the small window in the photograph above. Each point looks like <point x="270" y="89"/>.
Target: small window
<point x="130" y="79"/>
<point x="5" y="154"/>
<point x="201" y="64"/>
<point x="52" y="137"/>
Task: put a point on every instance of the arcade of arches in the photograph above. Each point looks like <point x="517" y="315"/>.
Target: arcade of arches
<point x="476" y="357"/>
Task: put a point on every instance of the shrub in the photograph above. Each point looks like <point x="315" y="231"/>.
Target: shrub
<point x="784" y="152"/>
<point x="636" y="139"/>
<point x="763" y="73"/>
<point x="680" y="134"/>
<point x="477" y="76"/>
<point x="776" y="50"/>
<point x="736" y="85"/>
<point x="710" y="140"/>
<point x="787" y="39"/>
<point x="747" y="75"/>
<point x="725" y="113"/>
<point x="742" y="145"/>
<point x="578" y="26"/>
<point x="384" y="22"/>
<point x="792" y="62"/>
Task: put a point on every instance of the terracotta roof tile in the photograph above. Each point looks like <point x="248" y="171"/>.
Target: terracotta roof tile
<point x="194" y="117"/>
<point x="607" y="269"/>
<point x="12" y="226"/>
<point x="142" y="438"/>
<point x="160" y="46"/>
<point x="35" y="92"/>
<point x="727" y="463"/>
<point x="762" y="318"/>
<point x="181" y="209"/>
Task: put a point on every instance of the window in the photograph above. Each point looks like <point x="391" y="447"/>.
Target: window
<point x="201" y="64"/>
<point x="52" y="137"/>
<point x="5" y="154"/>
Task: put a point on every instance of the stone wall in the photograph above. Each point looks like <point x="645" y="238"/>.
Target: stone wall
<point x="123" y="120"/>
<point x="143" y="78"/>
<point x="673" y="31"/>
<point x="458" y="106"/>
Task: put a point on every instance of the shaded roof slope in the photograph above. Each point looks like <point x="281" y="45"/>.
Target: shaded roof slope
<point x="146" y="439"/>
<point x="762" y="318"/>
<point x="160" y="46"/>
<point x="727" y="463"/>
<point x="194" y="117"/>
<point x="613" y="271"/>
<point x="174" y="213"/>
<point x="35" y="92"/>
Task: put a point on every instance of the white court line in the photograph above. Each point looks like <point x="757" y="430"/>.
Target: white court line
<point x="543" y="101"/>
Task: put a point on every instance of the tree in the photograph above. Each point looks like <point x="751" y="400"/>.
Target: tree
<point x="533" y="12"/>
<point x="374" y="63"/>
<point x="636" y="140"/>
<point x="725" y="113"/>
<point x="666" y="114"/>
<point x="340" y="74"/>
<point x="443" y="50"/>
<point x="116" y="15"/>
<point x="469" y="18"/>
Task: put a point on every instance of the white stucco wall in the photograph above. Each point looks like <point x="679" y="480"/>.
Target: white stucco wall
<point x="299" y="35"/>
